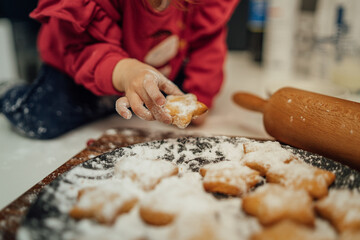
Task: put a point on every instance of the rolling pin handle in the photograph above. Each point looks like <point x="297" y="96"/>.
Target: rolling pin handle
<point x="250" y="101"/>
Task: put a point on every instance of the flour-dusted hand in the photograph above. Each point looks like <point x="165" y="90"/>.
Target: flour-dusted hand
<point x="142" y="85"/>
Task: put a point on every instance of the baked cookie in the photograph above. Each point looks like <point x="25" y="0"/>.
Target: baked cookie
<point x="171" y="197"/>
<point x="273" y="203"/>
<point x="105" y="202"/>
<point x="229" y="177"/>
<point x="262" y="156"/>
<point x="300" y="175"/>
<point x="342" y="208"/>
<point x="195" y="226"/>
<point x="146" y="173"/>
<point x="267" y="146"/>
<point x="350" y="235"/>
<point x="184" y="108"/>
<point x="286" y="230"/>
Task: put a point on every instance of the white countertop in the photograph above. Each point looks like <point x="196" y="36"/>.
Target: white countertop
<point x="24" y="162"/>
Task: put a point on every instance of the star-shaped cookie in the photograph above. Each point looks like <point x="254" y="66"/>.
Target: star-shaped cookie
<point x="184" y="108"/>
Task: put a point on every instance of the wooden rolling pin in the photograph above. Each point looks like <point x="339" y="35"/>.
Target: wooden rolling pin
<point x="317" y="123"/>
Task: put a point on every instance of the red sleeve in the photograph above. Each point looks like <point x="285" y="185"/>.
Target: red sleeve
<point x="204" y="71"/>
<point x="82" y="39"/>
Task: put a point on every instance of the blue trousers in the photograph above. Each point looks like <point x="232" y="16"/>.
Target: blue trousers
<point x="53" y="105"/>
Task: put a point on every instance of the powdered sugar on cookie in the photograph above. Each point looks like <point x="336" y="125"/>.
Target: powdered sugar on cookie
<point x="147" y="173"/>
<point x="184" y="108"/>
<point x="302" y="176"/>
<point x="342" y="208"/>
<point x="267" y="155"/>
<point x="273" y="203"/>
<point x="181" y="207"/>
<point x="105" y="202"/>
<point x="229" y="177"/>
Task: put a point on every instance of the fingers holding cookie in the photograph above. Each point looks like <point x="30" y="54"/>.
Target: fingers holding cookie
<point x="184" y="108"/>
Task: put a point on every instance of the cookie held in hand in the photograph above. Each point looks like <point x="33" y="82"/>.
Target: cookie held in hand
<point x="184" y="108"/>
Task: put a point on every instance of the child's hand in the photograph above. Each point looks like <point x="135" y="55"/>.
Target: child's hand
<point x="142" y="84"/>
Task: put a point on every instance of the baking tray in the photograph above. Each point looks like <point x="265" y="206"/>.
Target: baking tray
<point x="47" y="218"/>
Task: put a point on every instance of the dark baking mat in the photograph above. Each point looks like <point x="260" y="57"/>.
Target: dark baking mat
<point x="46" y="218"/>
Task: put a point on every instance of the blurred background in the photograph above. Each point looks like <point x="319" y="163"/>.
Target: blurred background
<point x="308" y="43"/>
<point x="19" y="58"/>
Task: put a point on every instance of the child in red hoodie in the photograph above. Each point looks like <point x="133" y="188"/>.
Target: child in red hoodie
<point x="135" y="49"/>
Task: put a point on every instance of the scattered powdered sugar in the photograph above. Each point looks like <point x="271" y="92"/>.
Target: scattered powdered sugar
<point x="220" y="221"/>
<point x="293" y="171"/>
<point x="270" y="153"/>
<point x="90" y="230"/>
<point x="177" y="194"/>
<point x="184" y="107"/>
<point x="232" y="173"/>
<point x="128" y="132"/>
<point x="104" y="195"/>
<point x="323" y="230"/>
<point x="111" y="132"/>
<point x="275" y="197"/>
<point x="345" y="176"/>
<point x="234" y="151"/>
<point x="345" y="203"/>
<point x="270" y="160"/>
<point x="243" y="226"/>
<point x="54" y="223"/>
<point x="268" y="146"/>
<point x="197" y="212"/>
<point x="147" y="173"/>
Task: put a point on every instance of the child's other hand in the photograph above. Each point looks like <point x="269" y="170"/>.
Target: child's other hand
<point x="142" y="84"/>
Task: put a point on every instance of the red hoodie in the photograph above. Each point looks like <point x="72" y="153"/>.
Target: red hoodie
<point x="86" y="38"/>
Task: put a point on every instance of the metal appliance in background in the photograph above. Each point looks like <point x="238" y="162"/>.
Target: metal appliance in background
<point x="279" y="39"/>
<point x="337" y="42"/>
<point x="313" y="43"/>
<point x="256" y="27"/>
<point x="8" y="66"/>
<point x="22" y="32"/>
